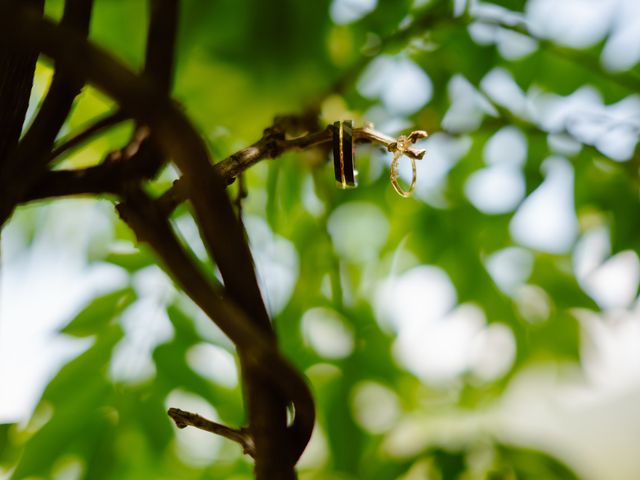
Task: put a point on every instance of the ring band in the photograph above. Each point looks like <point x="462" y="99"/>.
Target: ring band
<point x="394" y="175"/>
<point x="344" y="161"/>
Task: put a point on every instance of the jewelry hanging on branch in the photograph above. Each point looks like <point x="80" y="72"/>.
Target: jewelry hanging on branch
<point x="344" y="159"/>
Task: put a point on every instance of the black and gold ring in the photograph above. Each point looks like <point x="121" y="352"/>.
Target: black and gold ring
<point x="344" y="159"/>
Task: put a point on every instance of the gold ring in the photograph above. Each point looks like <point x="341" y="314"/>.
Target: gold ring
<point x="394" y="175"/>
<point x="344" y="160"/>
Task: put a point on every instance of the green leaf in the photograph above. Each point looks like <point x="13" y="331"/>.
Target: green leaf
<point x="89" y="366"/>
<point x="555" y="276"/>
<point x="99" y="313"/>
<point x="133" y="261"/>
<point x="528" y="464"/>
<point x="81" y="409"/>
<point x="79" y="396"/>
<point x="556" y="339"/>
<point x="8" y="450"/>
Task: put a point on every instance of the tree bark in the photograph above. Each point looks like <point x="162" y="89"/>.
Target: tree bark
<point x="17" y="68"/>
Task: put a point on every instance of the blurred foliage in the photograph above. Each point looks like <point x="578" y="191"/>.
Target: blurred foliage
<point x="241" y="62"/>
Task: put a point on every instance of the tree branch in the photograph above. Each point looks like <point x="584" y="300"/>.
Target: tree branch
<point x="159" y="63"/>
<point x="185" y="419"/>
<point x="84" y="135"/>
<point x="17" y="68"/>
<point x="161" y="42"/>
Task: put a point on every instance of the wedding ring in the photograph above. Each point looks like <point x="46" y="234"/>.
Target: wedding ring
<point x="344" y="160"/>
<point x="402" y="145"/>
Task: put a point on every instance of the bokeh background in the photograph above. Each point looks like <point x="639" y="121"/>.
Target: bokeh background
<point x="489" y="327"/>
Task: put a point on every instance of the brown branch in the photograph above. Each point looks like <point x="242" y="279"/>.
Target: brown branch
<point x="129" y="165"/>
<point x="241" y="194"/>
<point x="87" y="181"/>
<point x="76" y="139"/>
<point x="159" y="65"/>
<point x="242" y="436"/>
<point x="17" y="68"/>
<point x="161" y="42"/>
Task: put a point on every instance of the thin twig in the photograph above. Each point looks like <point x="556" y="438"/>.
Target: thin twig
<point x="242" y="436"/>
<point x="99" y="126"/>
